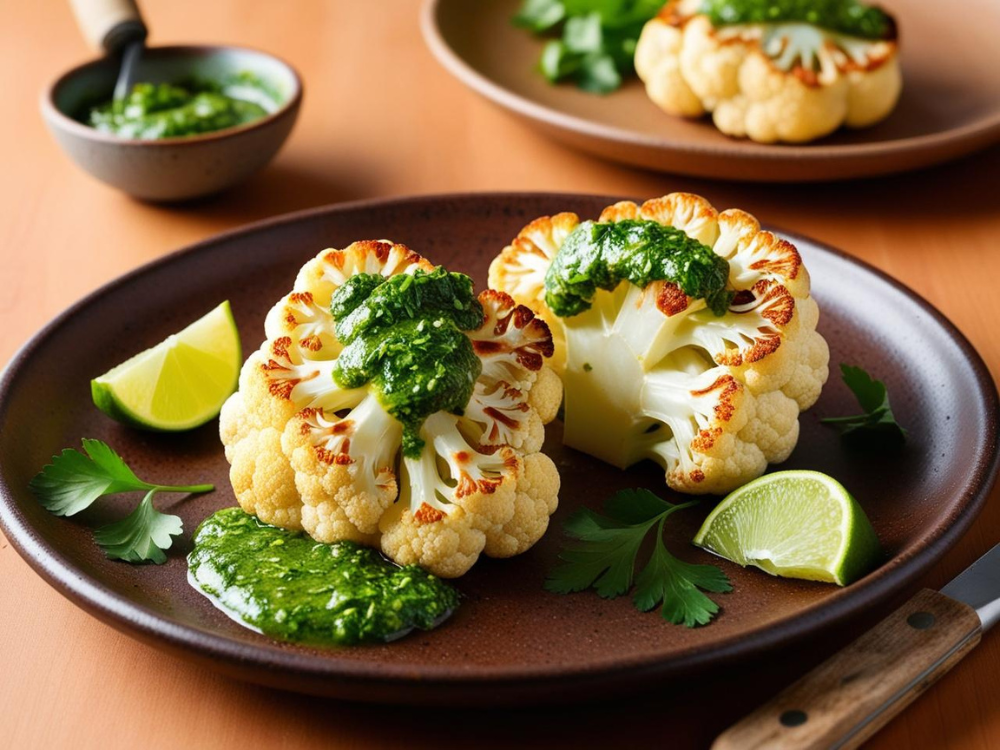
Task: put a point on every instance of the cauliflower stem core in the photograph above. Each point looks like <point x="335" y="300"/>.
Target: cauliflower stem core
<point x="629" y="380"/>
<point x="711" y="392"/>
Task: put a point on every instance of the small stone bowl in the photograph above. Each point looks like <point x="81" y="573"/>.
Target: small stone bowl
<point x="173" y="169"/>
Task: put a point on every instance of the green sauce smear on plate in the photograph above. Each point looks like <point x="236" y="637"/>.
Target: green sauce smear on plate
<point x="288" y="586"/>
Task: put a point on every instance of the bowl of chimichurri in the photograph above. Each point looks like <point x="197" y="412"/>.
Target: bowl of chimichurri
<point x="198" y="120"/>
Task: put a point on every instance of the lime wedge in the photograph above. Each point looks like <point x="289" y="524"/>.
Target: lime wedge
<point x="795" y="524"/>
<point x="180" y="383"/>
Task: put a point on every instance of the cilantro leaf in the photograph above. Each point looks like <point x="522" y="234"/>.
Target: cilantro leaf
<point x="583" y="33"/>
<point x="605" y="560"/>
<point x="73" y="480"/>
<point x="677" y="584"/>
<point x="604" y="556"/>
<point x="540" y="15"/>
<point x="141" y="536"/>
<point x="598" y="74"/>
<point x="877" y="427"/>
<point x="557" y="62"/>
<point x="636" y="506"/>
<point x="871" y="394"/>
<point x="594" y="40"/>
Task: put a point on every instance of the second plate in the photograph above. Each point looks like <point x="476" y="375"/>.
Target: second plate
<point x="950" y="104"/>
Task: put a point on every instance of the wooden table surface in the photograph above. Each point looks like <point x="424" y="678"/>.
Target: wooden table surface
<point x="381" y="118"/>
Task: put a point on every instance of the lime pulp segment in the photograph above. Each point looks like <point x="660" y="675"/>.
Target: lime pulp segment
<point x="795" y="524"/>
<point x="181" y="382"/>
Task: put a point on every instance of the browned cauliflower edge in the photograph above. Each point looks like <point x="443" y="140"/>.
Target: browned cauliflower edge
<point x="650" y="373"/>
<point x="781" y="82"/>
<point x="308" y="454"/>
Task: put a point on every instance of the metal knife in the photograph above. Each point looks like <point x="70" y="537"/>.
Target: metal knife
<point x="856" y="692"/>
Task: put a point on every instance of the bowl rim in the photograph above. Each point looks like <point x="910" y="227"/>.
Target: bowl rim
<point x="986" y="127"/>
<point x="60" y="120"/>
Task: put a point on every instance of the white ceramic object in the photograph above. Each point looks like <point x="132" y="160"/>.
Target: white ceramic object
<point x="172" y="169"/>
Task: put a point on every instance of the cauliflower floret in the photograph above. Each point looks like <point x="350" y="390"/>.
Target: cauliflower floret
<point x="234" y="424"/>
<point x="546" y="394"/>
<point x="307" y="453"/>
<point x="784" y="81"/>
<point x="264" y="481"/>
<point x="534" y="503"/>
<point x="505" y="416"/>
<point x="445" y="544"/>
<point x="512" y="341"/>
<point x="651" y="373"/>
<point x="327" y="272"/>
<point x="349" y="460"/>
<point x="658" y="57"/>
<point x="301" y="319"/>
<point x="328" y="522"/>
<point x="523" y="266"/>
<point x="776" y="427"/>
<point x="775" y="106"/>
<point x="454" y="488"/>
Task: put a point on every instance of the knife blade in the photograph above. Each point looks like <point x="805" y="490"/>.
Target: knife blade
<point x="856" y="692"/>
<point x="979" y="587"/>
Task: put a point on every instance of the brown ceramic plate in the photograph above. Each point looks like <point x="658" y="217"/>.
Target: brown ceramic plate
<point x="510" y="641"/>
<point x="950" y="104"/>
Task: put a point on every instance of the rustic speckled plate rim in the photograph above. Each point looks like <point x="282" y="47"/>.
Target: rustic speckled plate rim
<point x="145" y="625"/>
<point x="988" y="127"/>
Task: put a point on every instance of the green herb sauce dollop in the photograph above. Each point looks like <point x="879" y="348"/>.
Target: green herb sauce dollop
<point x="163" y="110"/>
<point x="844" y="16"/>
<point x="288" y="586"/>
<point x="602" y="255"/>
<point x="405" y="335"/>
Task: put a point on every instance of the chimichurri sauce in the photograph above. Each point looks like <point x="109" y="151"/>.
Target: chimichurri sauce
<point x="288" y="586"/>
<point x="844" y="16"/>
<point x="406" y="335"/>
<point x="165" y="110"/>
<point x="599" y="255"/>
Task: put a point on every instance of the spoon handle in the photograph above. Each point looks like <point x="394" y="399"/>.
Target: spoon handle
<point x="109" y="25"/>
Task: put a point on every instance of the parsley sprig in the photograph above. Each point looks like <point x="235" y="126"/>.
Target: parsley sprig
<point x="142" y="535"/>
<point x="877" y="427"/>
<point x="74" y="480"/>
<point x="596" y="38"/>
<point x="604" y="557"/>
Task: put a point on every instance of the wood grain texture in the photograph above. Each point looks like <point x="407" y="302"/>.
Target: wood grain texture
<point x="854" y="693"/>
<point x="381" y="118"/>
<point x="98" y="17"/>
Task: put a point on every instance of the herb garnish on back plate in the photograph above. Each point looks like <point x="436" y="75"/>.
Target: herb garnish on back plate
<point x="596" y="38"/>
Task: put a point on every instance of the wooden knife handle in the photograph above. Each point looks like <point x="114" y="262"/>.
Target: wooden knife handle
<point x="109" y="25"/>
<point x="853" y="694"/>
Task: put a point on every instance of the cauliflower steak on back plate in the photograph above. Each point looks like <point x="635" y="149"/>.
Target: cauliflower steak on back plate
<point x="392" y="407"/>
<point x="683" y="335"/>
<point x="772" y="70"/>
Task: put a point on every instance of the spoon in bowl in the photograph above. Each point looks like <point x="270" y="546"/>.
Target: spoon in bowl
<point x="117" y="28"/>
